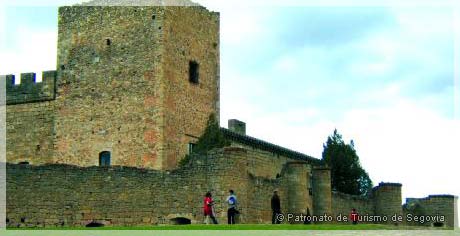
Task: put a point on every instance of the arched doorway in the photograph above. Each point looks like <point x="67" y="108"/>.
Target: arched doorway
<point x="104" y="158"/>
<point x="94" y="224"/>
<point x="438" y="224"/>
<point x="180" y="221"/>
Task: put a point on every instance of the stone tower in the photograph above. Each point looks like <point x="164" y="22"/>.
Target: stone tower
<point x="322" y="199"/>
<point x="387" y="200"/>
<point x="298" y="185"/>
<point x="135" y="85"/>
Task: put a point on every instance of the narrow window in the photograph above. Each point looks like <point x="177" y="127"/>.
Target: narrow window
<point x="104" y="158"/>
<point x="191" y="146"/>
<point x="193" y="72"/>
<point x="13" y="79"/>
<point x="108" y="42"/>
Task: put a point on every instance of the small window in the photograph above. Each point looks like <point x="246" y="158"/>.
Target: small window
<point x="108" y="42"/>
<point x="13" y="79"/>
<point x="193" y="72"/>
<point x="104" y="158"/>
<point x="191" y="146"/>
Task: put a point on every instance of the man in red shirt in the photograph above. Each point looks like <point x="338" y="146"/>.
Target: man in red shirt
<point x="354" y="216"/>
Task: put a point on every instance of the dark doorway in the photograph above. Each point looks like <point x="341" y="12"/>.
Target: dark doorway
<point x="104" y="158"/>
<point x="180" y="221"/>
<point x="438" y="224"/>
<point x="94" y="224"/>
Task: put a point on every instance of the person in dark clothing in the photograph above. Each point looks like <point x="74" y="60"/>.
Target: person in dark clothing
<point x="276" y="207"/>
<point x="308" y="218"/>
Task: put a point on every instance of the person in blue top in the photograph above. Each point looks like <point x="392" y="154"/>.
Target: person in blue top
<point x="232" y="203"/>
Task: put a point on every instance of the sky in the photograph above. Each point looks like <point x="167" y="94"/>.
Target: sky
<point x="385" y="76"/>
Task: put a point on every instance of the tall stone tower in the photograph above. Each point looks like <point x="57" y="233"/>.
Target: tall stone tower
<point x="135" y="85"/>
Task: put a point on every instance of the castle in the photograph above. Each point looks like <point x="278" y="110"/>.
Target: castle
<point x="99" y="139"/>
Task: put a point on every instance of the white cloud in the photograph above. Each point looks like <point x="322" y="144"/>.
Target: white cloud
<point x="399" y="137"/>
<point x="239" y="25"/>
<point x="406" y="143"/>
<point x="36" y="52"/>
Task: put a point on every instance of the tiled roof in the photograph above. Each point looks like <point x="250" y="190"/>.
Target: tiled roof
<point x="263" y="145"/>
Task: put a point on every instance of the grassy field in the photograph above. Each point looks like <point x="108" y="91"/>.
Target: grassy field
<point x="240" y="227"/>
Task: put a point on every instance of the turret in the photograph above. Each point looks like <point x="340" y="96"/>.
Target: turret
<point x="298" y="184"/>
<point x="387" y="201"/>
<point x="322" y="199"/>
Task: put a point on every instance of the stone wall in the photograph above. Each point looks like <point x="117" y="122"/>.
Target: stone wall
<point x="438" y="210"/>
<point x="29" y="89"/>
<point x="54" y="195"/>
<point x="321" y="189"/>
<point x="29" y="132"/>
<point x="109" y="83"/>
<point x="264" y="163"/>
<point x="261" y="191"/>
<point x="387" y="200"/>
<point x="343" y="203"/>
<point x="380" y="207"/>
<point x="298" y="183"/>
<point x="191" y="34"/>
<point x="30" y="117"/>
<point x="123" y="83"/>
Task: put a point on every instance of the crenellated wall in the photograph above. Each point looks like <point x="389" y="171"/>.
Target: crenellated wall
<point x="29" y="90"/>
<point x="30" y="118"/>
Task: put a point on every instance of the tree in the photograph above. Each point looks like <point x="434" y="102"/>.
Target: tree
<point x="211" y="138"/>
<point x="346" y="172"/>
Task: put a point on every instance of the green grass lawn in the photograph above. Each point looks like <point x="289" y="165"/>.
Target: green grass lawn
<point x="240" y="227"/>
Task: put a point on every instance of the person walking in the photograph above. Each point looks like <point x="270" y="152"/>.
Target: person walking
<point x="354" y="216"/>
<point x="232" y="203"/>
<point x="208" y="209"/>
<point x="276" y="207"/>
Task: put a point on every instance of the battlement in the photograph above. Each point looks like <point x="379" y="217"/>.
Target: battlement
<point x="29" y="90"/>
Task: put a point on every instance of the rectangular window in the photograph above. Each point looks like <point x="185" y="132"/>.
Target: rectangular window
<point x="193" y="72"/>
<point x="191" y="146"/>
